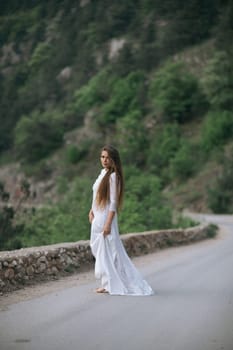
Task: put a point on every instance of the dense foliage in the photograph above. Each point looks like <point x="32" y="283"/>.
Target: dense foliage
<point x="176" y="93"/>
<point x="10" y="228"/>
<point x="111" y="72"/>
<point x="220" y="194"/>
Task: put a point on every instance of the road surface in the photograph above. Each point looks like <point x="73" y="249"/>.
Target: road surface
<point x="192" y="308"/>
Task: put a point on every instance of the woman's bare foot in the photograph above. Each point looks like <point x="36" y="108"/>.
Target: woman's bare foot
<point x="101" y="290"/>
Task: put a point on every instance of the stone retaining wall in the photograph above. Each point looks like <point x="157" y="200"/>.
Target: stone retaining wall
<point x="30" y="265"/>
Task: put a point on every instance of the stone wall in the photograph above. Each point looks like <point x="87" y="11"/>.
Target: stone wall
<point x="32" y="265"/>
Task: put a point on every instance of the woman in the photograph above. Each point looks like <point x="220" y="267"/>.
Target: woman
<point x="113" y="267"/>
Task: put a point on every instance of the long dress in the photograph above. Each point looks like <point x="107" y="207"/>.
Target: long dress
<point x="113" y="267"/>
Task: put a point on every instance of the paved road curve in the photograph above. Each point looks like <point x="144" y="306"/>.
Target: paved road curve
<point x="192" y="308"/>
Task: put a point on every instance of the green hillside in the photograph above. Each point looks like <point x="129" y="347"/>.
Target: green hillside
<point x="153" y="78"/>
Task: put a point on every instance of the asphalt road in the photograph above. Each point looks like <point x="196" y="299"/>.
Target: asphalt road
<point x="192" y="308"/>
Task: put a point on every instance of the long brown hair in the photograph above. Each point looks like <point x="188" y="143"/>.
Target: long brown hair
<point x="103" y="194"/>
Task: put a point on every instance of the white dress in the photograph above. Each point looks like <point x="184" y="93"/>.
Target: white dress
<point x="113" y="267"/>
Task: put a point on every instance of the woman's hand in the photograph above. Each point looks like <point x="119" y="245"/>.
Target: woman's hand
<point x="106" y="230"/>
<point x="108" y="223"/>
<point x="91" y="216"/>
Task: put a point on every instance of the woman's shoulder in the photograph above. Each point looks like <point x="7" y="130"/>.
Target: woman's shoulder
<point x="113" y="176"/>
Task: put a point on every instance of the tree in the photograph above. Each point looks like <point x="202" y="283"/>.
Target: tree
<point x="9" y="230"/>
<point x="125" y="97"/>
<point x="164" y="144"/>
<point x="224" y="30"/>
<point x="188" y="23"/>
<point x="217" y="129"/>
<point x="38" y="135"/>
<point x="218" y="81"/>
<point x="132" y="139"/>
<point x="220" y="194"/>
<point x="176" y="93"/>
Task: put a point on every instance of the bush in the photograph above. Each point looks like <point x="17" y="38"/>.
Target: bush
<point x="66" y="221"/>
<point x="163" y="146"/>
<point x="125" y="97"/>
<point x="217" y="129"/>
<point x="184" y="163"/>
<point x="217" y="81"/>
<point x="94" y="93"/>
<point x="184" y="222"/>
<point x="220" y="195"/>
<point x="76" y="153"/>
<point x="131" y="138"/>
<point x="9" y="105"/>
<point x="40" y="170"/>
<point x="144" y="206"/>
<point x="189" y="22"/>
<point x="37" y="135"/>
<point x="18" y="24"/>
<point x="212" y="230"/>
<point x="73" y="154"/>
<point x="10" y="231"/>
<point x="224" y="30"/>
<point x="219" y="202"/>
<point x="41" y="55"/>
<point x="176" y="94"/>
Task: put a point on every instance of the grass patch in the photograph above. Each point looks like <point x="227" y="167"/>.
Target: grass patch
<point x="184" y="222"/>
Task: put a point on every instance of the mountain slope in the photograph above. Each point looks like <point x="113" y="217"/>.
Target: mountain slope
<point x="153" y="78"/>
